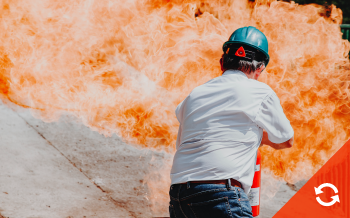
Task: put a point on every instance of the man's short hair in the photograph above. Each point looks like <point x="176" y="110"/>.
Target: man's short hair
<point x="230" y="62"/>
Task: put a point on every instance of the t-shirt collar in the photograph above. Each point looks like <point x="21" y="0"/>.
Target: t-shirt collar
<point x="235" y="72"/>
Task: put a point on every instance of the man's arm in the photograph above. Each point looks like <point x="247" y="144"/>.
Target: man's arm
<point x="278" y="133"/>
<point x="287" y="144"/>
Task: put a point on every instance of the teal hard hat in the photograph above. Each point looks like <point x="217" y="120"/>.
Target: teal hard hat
<point x="251" y="37"/>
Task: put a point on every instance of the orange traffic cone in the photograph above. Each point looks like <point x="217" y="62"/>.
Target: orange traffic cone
<point x="254" y="194"/>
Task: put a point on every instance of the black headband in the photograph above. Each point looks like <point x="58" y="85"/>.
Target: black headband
<point x="246" y="53"/>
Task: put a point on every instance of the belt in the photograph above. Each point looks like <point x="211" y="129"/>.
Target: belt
<point x="222" y="182"/>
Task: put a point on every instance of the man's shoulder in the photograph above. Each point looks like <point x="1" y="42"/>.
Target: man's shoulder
<point x="260" y="84"/>
<point x="206" y="85"/>
<point x="220" y="84"/>
<point x="255" y="84"/>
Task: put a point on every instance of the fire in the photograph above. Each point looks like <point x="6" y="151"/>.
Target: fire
<point x="123" y="66"/>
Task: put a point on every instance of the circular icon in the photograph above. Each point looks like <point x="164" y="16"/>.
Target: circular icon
<point x="319" y="191"/>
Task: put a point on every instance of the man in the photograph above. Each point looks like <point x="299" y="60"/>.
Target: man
<point x="222" y="124"/>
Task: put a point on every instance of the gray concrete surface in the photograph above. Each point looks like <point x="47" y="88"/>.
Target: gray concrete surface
<point x="36" y="180"/>
<point x="63" y="169"/>
<point x="271" y="204"/>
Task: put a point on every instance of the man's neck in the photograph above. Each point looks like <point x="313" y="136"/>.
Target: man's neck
<point x="253" y="75"/>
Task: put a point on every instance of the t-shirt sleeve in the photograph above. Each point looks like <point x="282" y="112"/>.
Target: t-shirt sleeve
<point x="270" y="116"/>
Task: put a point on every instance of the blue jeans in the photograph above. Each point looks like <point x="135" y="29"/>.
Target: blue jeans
<point x="208" y="201"/>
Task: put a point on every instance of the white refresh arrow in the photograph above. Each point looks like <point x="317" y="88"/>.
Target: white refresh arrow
<point x="319" y="191"/>
<point x="335" y="199"/>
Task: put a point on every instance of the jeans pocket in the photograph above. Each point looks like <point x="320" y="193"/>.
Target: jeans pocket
<point x="245" y="205"/>
<point x="219" y="208"/>
<point x="246" y="208"/>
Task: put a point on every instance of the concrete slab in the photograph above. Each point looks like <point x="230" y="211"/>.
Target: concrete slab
<point x="36" y="180"/>
<point x="118" y="168"/>
<point x="270" y="205"/>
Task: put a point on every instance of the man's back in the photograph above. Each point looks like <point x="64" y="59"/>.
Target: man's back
<point x="220" y="130"/>
<point x="221" y="107"/>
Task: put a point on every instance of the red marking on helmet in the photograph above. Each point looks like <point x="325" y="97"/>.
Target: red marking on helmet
<point x="240" y="52"/>
<point x="227" y="50"/>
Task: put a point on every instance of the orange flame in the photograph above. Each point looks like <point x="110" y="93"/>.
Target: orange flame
<point x="123" y="66"/>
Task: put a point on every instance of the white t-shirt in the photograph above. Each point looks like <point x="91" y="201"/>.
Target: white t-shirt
<point x="221" y="127"/>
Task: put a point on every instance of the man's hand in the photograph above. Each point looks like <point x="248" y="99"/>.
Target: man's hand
<point x="287" y="144"/>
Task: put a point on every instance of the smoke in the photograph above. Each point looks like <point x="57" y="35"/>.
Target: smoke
<point x="123" y="66"/>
